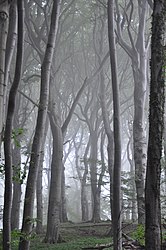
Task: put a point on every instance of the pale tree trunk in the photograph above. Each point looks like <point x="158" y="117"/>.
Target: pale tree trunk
<point x="139" y="67"/>
<point x="24" y="243"/>
<point x="117" y="227"/>
<point x="4" y="14"/>
<point x="8" y="130"/>
<point x="53" y="217"/>
<point x="84" y="201"/>
<point x="109" y="133"/>
<point x="156" y="126"/>
<point x="39" y="186"/>
<point x="132" y="174"/>
<point x="138" y="54"/>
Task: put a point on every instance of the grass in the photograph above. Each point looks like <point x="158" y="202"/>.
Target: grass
<point x="76" y="236"/>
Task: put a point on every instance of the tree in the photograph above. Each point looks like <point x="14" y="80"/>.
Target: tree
<point x="137" y="49"/>
<point x="39" y="132"/>
<point x="156" y="125"/>
<point x="8" y="130"/>
<point x="4" y="14"/>
<point x="117" y="239"/>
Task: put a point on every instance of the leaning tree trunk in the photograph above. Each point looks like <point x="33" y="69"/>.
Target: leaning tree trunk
<point x="117" y="239"/>
<point x="24" y="243"/>
<point x="8" y="130"/>
<point x="156" y="125"/>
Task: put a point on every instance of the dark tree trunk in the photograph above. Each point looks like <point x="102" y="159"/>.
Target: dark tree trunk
<point x="117" y="234"/>
<point x="156" y="125"/>
<point x="15" y="213"/>
<point x="24" y="243"/>
<point x="8" y="130"/>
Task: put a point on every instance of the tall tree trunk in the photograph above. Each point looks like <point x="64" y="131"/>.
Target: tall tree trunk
<point x="156" y="125"/>
<point x="24" y="243"/>
<point x="4" y="14"/>
<point x="8" y="130"/>
<point x="39" y="186"/>
<point x="117" y="239"/>
<point x="138" y="54"/>
<point x="53" y="217"/>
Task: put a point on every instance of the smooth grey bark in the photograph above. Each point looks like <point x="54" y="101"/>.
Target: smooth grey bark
<point x="39" y="186"/>
<point x="4" y="14"/>
<point x="24" y="243"/>
<point x="8" y="130"/>
<point x="117" y="227"/>
<point x="132" y="174"/>
<point x="53" y="217"/>
<point x="138" y="52"/>
<point x="156" y="127"/>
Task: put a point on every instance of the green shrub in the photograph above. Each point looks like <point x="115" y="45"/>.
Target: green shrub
<point x="139" y="234"/>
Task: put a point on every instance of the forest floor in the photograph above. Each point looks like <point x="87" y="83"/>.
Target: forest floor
<point x="77" y="236"/>
<point x="85" y="236"/>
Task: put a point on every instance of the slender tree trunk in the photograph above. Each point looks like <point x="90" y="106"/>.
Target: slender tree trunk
<point x="10" y="46"/>
<point x="4" y="14"/>
<point x="156" y="125"/>
<point x="117" y="239"/>
<point x="24" y="243"/>
<point x="8" y="130"/>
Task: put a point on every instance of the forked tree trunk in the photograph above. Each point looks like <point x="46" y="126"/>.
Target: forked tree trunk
<point x="24" y="243"/>
<point x="8" y="130"/>
<point x="156" y="125"/>
<point x="117" y="234"/>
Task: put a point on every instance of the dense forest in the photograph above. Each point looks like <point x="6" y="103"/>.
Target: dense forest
<point x="82" y="115"/>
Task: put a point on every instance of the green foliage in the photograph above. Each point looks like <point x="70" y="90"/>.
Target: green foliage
<point x="139" y="234"/>
<point x="19" y="174"/>
<point x="16" y="133"/>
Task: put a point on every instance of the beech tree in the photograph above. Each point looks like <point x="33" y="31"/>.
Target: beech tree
<point x="8" y="130"/>
<point x="40" y="126"/>
<point x="156" y="125"/>
<point x="116" y="205"/>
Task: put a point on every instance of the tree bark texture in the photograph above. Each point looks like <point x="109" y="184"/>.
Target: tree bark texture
<point x="93" y="175"/>
<point x="53" y="217"/>
<point x="138" y="54"/>
<point x="24" y="243"/>
<point x="117" y="233"/>
<point x="4" y="16"/>
<point x="39" y="186"/>
<point x="156" y="125"/>
<point x="8" y="130"/>
<point x="15" y="213"/>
